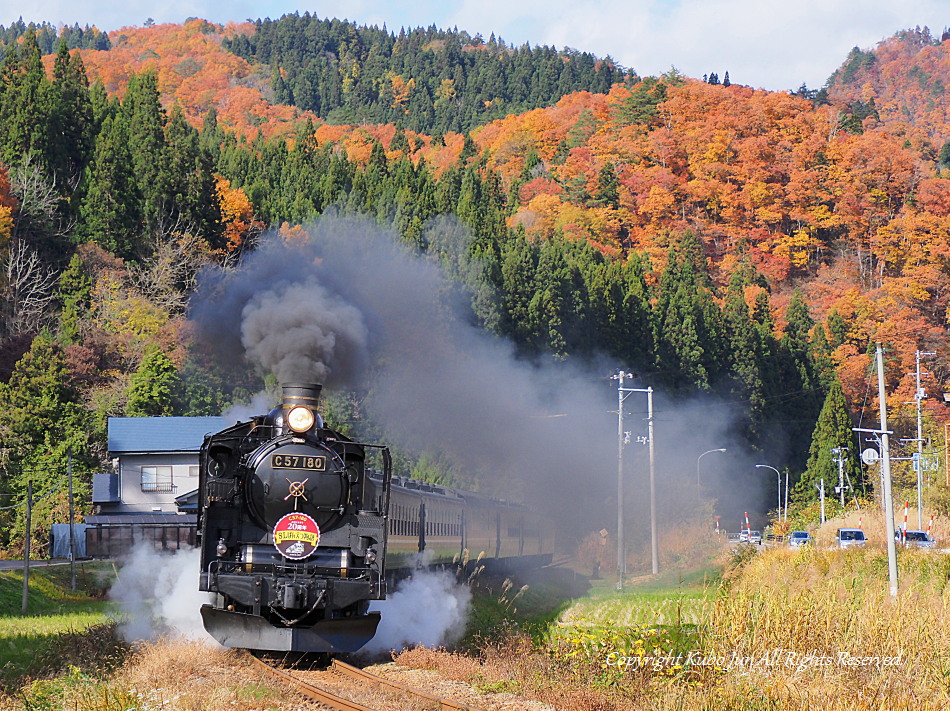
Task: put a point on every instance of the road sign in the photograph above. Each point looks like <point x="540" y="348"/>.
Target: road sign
<point x="870" y="455"/>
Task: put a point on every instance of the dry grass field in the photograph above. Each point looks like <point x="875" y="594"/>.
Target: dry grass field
<point x="780" y="629"/>
<point x="787" y="630"/>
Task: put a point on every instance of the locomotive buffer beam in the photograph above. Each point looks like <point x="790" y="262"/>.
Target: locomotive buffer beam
<point x="259" y="591"/>
<point x="335" y="636"/>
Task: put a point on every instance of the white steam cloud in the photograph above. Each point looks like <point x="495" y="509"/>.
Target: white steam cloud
<point x="427" y="609"/>
<point x="246" y="411"/>
<point x="158" y="595"/>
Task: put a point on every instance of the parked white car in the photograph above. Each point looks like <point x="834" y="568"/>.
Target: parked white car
<point x="848" y="537"/>
<point x="753" y="536"/>
<point x="797" y="539"/>
<point x="916" y="539"/>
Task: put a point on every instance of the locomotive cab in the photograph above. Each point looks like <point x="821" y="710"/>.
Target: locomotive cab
<point x="292" y="532"/>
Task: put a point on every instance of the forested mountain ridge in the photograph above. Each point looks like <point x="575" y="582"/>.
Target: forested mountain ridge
<point x="716" y="238"/>
<point x="903" y="82"/>
<point x="49" y="37"/>
<point x="427" y="80"/>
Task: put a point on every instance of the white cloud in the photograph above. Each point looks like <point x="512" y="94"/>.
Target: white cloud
<point x="773" y="44"/>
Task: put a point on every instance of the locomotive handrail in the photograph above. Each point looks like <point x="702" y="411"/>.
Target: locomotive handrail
<point x="384" y="513"/>
<point x="216" y="562"/>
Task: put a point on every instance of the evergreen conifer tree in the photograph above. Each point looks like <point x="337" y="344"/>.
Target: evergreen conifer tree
<point x="110" y="211"/>
<point x="832" y="431"/>
<point x="608" y="187"/>
<point x="688" y="323"/>
<point x="75" y="290"/>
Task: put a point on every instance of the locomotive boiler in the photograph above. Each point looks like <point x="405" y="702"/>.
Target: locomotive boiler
<point x="292" y="532"/>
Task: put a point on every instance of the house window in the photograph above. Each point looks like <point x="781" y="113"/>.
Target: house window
<point x="193" y="471"/>
<point x="157" y="479"/>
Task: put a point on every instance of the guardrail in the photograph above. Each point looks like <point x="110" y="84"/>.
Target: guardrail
<point x="770" y="538"/>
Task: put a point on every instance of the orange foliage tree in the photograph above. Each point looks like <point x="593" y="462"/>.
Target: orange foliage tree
<point x="237" y="213"/>
<point x="7" y="206"/>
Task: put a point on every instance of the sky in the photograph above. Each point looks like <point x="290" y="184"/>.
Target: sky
<point x="770" y="44"/>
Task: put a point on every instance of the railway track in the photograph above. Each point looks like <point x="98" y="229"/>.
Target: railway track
<point x="343" y="687"/>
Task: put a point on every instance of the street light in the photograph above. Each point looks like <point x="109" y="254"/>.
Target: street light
<point x="700" y="457"/>
<point x="779" y="482"/>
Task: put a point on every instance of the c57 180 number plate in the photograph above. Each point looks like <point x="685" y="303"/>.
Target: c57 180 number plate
<point x="298" y="461"/>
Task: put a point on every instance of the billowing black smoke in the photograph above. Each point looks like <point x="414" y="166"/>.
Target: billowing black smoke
<point x="352" y="308"/>
<point x="281" y="313"/>
<point x="301" y="332"/>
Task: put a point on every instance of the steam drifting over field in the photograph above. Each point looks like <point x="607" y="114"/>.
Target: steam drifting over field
<point x="158" y="595"/>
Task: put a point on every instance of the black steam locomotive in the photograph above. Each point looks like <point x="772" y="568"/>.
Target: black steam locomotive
<point x="297" y="535"/>
<point x="292" y="532"/>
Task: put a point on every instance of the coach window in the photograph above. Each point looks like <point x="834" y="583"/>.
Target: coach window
<point x="157" y="479"/>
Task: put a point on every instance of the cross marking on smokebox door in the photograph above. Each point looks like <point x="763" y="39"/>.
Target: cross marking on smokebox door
<point x="296" y="489"/>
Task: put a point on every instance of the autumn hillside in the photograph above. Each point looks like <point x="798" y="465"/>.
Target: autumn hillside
<point x="194" y="72"/>
<point x="724" y="241"/>
<point x="902" y="83"/>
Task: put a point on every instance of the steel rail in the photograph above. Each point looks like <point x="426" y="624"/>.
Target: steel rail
<point x="356" y="673"/>
<point x="324" y="697"/>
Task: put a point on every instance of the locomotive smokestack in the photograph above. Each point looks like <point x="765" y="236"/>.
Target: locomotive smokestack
<point x="305" y="394"/>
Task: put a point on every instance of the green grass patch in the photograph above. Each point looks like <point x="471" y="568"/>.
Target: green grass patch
<point x="676" y="602"/>
<point x="655" y="622"/>
<point x="49" y="694"/>
<point x="505" y="686"/>
<point x="527" y="605"/>
<point x="258" y="693"/>
<point x="667" y="600"/>
<point x="62" y="627"/>
<point x="49" y="589"/>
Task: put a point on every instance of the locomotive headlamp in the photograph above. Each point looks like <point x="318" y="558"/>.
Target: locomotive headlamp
<point x="222" y="548"/>
<point x="300" y="419"/>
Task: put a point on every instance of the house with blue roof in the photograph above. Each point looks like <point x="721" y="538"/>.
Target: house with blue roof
<point x="155" y="463"/>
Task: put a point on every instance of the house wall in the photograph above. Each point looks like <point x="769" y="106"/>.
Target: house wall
<point x="135" y="500"/>
<point x="109" y="541"/>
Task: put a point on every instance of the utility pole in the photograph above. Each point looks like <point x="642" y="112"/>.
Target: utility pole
<point x="919" y="395"/>
<point x="886" y="468"/>
<point x="654" y="545"/>
<point x="839" y="453"/>
<point x="786" y="493"/>
<point x="26" y="548"/>
<point x="622" y="439"/>
<point x="886" y="476"/>
<point x="821" y="495"/>
<point x="72" y="536"/>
